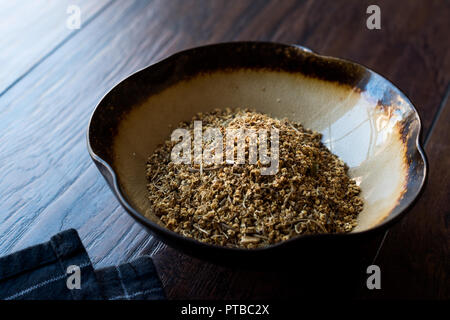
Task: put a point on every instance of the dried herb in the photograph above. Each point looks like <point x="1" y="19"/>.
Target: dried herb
<point x="235" y="205"/>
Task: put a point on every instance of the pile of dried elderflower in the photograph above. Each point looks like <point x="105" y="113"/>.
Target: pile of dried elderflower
<point x="235" y="205"/>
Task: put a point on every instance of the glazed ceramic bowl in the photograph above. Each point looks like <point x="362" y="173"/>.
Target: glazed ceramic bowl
<point x="364" y="119"/>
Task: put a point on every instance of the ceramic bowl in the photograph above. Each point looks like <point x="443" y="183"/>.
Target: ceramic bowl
<point x="363" y="117"/>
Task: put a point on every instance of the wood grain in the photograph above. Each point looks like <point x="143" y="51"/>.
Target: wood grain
<point x="48" y="183"/>
<point x="420" y="243"/>
<point x="31" y="30"/>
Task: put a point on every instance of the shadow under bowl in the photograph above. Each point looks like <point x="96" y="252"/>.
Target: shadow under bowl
<point x="364" y="119"/>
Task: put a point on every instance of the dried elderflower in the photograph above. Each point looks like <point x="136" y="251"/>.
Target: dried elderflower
<point x="235" y="205"/>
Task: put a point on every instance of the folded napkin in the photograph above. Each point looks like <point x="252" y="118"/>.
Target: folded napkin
<point x="60" y="269"/>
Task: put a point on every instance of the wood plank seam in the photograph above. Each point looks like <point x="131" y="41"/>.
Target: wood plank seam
<point x="437" y="115"/>
<point x="59" y="45"/>
<point x="427" y="139"/>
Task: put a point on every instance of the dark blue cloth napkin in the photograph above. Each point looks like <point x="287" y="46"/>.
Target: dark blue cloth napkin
<point x="46" y="272"/>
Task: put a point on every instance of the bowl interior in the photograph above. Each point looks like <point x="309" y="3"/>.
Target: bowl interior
<point x="363" y="118"/>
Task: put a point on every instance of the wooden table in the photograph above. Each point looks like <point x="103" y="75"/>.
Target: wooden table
<point x="51" y="78"/>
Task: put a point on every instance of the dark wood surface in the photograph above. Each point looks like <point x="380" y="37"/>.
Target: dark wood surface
<point x="419" y="244"/>
<point x="51" y="79"/>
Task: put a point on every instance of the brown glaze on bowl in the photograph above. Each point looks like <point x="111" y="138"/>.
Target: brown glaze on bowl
<point x="364" y="119"/>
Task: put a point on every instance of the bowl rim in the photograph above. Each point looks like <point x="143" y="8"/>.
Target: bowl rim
<point x="154" y="227"/>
